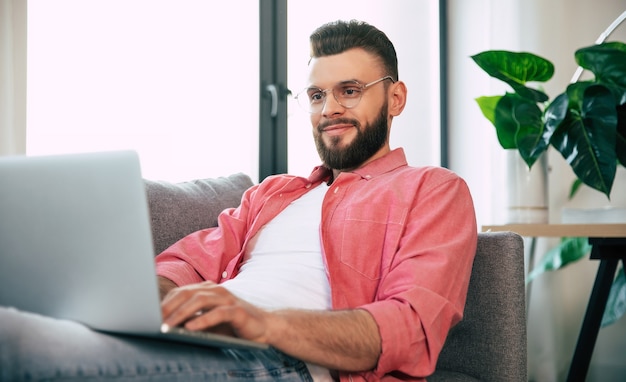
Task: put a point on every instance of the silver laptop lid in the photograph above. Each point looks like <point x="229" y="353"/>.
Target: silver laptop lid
<point x="75" y="240"/>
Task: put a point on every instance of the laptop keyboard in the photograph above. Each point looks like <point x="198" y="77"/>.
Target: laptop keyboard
<point x="204" y="337"/>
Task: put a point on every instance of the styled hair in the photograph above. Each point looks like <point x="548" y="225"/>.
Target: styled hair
<point x="339" y="36"/>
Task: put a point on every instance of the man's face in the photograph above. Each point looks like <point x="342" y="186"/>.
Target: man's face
<point x="348" y="138"/>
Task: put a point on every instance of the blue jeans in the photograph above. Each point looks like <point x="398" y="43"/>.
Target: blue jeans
<point x="37" y="348"/>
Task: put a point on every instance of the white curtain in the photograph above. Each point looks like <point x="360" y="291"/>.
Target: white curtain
<point x="12" y="77"/>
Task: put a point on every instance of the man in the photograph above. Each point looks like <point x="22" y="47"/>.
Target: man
<point x="354" y="273"/>
<point x="386" y="259"/>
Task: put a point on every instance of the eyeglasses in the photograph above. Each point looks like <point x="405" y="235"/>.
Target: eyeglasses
<point x="347" y="93"/>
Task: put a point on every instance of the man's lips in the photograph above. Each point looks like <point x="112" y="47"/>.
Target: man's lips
<point x="338" y="129"/>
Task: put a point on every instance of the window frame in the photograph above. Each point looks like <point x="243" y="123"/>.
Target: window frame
<point x="273" y="88"/>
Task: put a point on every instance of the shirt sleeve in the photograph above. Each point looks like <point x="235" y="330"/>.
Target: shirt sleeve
<point x="204" y="255"/>
<point x="423" y="293"/>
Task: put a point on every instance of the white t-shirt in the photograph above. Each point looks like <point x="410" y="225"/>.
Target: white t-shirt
<point x="283" y="266"/>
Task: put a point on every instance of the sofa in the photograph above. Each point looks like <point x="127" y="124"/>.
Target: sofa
<point x="178" y="209"/>
<point x="489" y="344"/>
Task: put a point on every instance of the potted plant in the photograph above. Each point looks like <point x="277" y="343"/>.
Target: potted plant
<point x="586" y="124"/>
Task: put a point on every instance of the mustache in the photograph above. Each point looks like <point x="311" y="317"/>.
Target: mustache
<point x="348" y="121"/>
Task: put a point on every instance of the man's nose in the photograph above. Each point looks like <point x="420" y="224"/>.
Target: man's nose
<point x="332" y="106"/>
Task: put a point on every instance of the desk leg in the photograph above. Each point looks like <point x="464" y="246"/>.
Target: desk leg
<point x="593" y="319"/>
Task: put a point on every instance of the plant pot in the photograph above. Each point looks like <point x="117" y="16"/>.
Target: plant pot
<point x="527" y="196"/>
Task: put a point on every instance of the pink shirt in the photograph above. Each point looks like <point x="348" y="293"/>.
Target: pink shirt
<point x="398" y="241"/>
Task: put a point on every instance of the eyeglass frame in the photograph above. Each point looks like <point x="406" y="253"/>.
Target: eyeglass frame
<point x="308" y="107"/>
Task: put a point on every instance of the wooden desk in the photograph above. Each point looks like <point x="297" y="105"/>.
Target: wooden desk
<point x="608" y="243"/>
<point x="562" y="230"/>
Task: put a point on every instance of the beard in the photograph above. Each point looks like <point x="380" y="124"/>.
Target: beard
<point x="367" y="142"/>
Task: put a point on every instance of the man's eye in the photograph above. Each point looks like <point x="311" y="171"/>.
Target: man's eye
<point x="350" y="91"/>
<point x="316" y="97"/>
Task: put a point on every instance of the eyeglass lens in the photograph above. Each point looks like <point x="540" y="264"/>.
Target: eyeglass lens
<point x="347" y="93"/>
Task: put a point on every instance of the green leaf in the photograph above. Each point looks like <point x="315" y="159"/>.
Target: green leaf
<point x="575" y="186"/>
<point x="586" y="138"/>
<point x="530" y="137"/>
<point x="571" y="249"/>
<point x="518" y="124"/>
<point x="517" y="69"/>
<point x="620" y="147"/>
<point x="488" y="107"/>
<point x="522" y="67"/>
<point x="616" y="305"/>
<point x="505" y="123"/>
<point x="606" y="61"/>
<point x="576" y="94"/>
<point x="555" y="115"/>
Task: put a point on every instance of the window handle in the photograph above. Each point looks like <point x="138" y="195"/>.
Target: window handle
<point x="271" y="89"/>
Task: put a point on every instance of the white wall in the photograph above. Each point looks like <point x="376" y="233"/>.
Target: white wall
<point x="553" y="29"/>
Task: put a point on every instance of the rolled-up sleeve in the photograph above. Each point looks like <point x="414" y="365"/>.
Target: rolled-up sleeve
<point x="422" y="293"/>
<point x="208" y="253"/>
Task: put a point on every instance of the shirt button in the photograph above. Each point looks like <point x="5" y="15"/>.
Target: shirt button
<point x="308" y="186"/>
<point x="336" y="189"/>
<point x="368" y="177"/>
<point x="224" y="274"/>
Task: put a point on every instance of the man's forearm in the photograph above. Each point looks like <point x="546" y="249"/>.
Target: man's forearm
<point x="345" y="340"/>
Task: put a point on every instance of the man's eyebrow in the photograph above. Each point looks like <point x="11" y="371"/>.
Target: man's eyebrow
<point x="336" y="83"/>
<point x="350" y="80"/>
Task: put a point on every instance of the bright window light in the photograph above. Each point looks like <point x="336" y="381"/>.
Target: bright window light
<point x="174" y="80"/>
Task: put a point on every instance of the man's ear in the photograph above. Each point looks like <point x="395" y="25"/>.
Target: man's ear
<point x="397" y="98"/>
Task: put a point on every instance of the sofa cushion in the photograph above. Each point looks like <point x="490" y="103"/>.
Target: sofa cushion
<point x="178" y="209"/>
<point x="450" y="376"/>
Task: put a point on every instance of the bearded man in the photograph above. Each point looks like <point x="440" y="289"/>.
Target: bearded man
<point x="358" y="270"/>
<point x="355" y="273"/>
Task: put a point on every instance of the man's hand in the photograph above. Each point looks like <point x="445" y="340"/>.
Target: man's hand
<point x="208" y="306"/>
<point x="343" y="340"/>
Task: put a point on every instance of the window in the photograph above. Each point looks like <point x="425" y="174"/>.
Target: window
<point x="174" y="80"/>
<point x="178" y="81"/>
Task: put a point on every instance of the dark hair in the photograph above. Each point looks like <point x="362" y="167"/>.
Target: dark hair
<point x="338" y="36"/>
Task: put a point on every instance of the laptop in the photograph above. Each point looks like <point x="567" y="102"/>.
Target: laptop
<point x="76" y="244"/>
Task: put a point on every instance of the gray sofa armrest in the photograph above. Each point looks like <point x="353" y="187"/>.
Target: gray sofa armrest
<point x="178" y="209"/>
<point x="489" y="344"/>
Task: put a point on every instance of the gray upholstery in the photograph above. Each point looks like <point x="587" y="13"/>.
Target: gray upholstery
<point x="489" y="344"/>
<point x="177" y="209"/>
